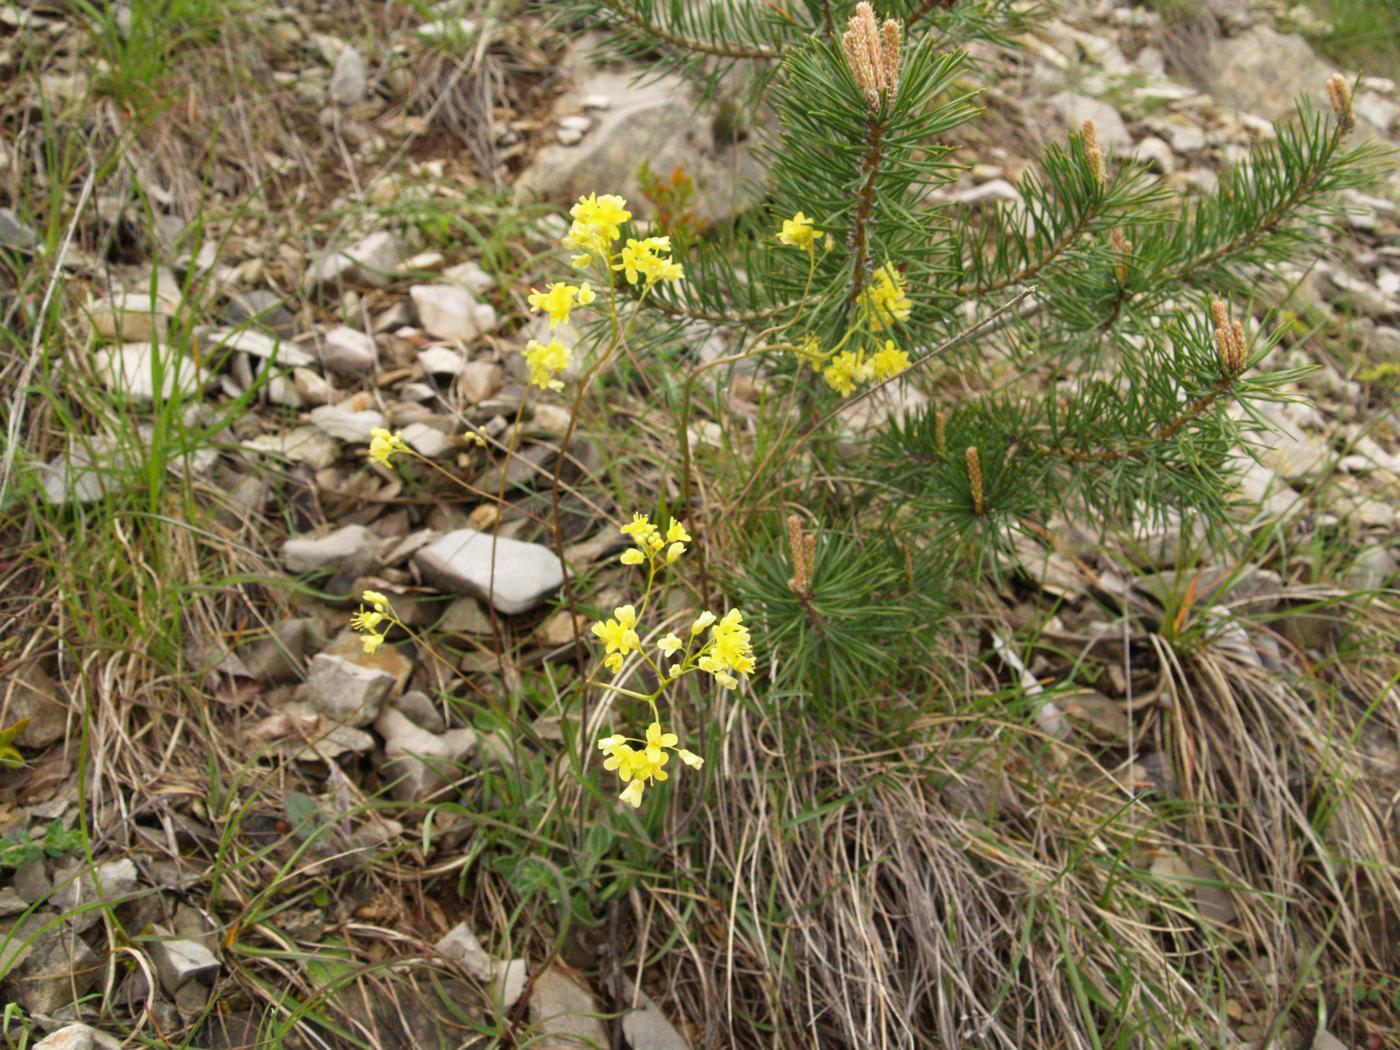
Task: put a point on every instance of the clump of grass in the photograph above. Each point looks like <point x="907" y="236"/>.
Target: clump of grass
<point x="1364" y="34"/>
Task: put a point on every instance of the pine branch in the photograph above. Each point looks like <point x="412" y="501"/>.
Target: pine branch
<point x="646" y="26"/>
<point x="869" y="173"/>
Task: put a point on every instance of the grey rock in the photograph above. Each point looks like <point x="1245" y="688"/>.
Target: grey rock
<point x="462" y="561"/>
<point x="348" y="352"/>
<point x="1157" y="154"/>
<point x="111" y="882"/>
<point x="31" y="880"/>
<point x="278" y="658"/>
<point x="329" y="552"/>
<point x="420" y="762"/>
<point x="480" y="380"/>
<point x="371" y="259"/>
<point x="656" y="120"/>
<point x="180" y="961"/>
<point x="428" y="440"/>
<point x="564" y="1013"/>
<point x="507" y="977"/>
<point x="15" y="233"/>
<point x="311" y="387"/>
<point x="132" y="317"/>
<point x="1243" y="72"/>
<point x="30" y="692"/>
<point x="1075" y="109"/>
<point x="448" y="311"/>
<point x="261" y="307"/>
<point x="647" y="1028"/>
<point x="261" y="345"/>
<point x="47" y="971"/>
<point x="131" y="369"/>
<point x="442" y="361"/>
<point x="419" y="708"/>
<point x="349" y="81"/>
<point x="301" y="445"/>
<point x="1372" y="568"/>
<point x="346" y="424"/>
<point x="466" y="616"/>
<point x="69" y="1037"/>
<point x="1379" y="113"/>
<point x="1383" y="343"/>
<point x="346" y="692"/>
<point x="1361" y="296"/>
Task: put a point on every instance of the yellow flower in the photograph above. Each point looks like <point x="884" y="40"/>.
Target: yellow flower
<point x="675" y="532"/>
<point x="619" y="635"/>
<point x="383" y="444"/>
<point x="632" y="794"/>
<point x="810" y="351"/>
<point x="632" y="556"/>
<point x="547" y="362"/>
<point x="646" y="535"/>
<point x="559" y="300"/>
<point x="374" y="622"/>
<point x="729" y="649"/>
<point x="656" y="739"/>
<point x="889" y="361"/>
<point x="701" y="622"/>
<point x="846" y="371"/>
<point x="884" y="300"/>
<point x="597" y="223"/>
<point x="669" y="644"/>
<point x="645" y="258"/>
<point x="674" y="551"/>
<point x="690" y="758"/>
<point x="798" y="232"/>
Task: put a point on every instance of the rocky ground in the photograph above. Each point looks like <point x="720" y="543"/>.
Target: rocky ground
<point x="353" y="254"/>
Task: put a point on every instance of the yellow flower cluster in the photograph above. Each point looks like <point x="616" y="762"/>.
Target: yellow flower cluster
<point x="597" y="223"/>
<point x="546" y="362"/>
<point x="650" y="542"/>
<point x="884" y="301"/>
<point x="560" y="299"/>
<point x="649" y="258"/>
<point x="375" y="621"/>
<point x="725" y="653"/>
<point x="637" y="765"/>
<point x="383" y="444"/>
<point x="798" y="232"/>
<point x="849" y="370"/>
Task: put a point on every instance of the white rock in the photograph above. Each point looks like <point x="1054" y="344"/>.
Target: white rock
<point x="428" y="440"/>
<point x="447" y="28"/>
<point x="1158" y="154"/>
<point x="421" y="762"/>
<point x="181" y="961"/>
<point x="451" y="312"/>
<point x="480" y="380"/>
<point x="1242" y="71"/>
<point x="564" y="1013"/>
<point x="259" y="344"/>
<point x="349" y="81"/>
<point x="14" y="232"/>
<point x="442" y="361"/>
<point x="647" y="1028"/>
<point x="1186" y="138"/>
<point x="348" y="352"/>
<point x="69" y="1037"/>
<point x="319" y="553"/>
<point x="312" y="387"/>
<point x="346" y="692"/>
<point x="470" y="275"/>
<point x="371" y="260"/>
<point x="508" y="977"/>
<point x="461" y="561"/>
<point x="568" y="136"/>
<point x="347" y="424"/>
<point x="302" y="445"/>
<point x="131" y="316"/>
<point x="993" y="189"/>
<point x="131" y="370"/>
<point x="1075" y="109"/>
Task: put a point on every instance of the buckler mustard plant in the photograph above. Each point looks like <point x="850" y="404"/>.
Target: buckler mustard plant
<point x="724" y="654"/>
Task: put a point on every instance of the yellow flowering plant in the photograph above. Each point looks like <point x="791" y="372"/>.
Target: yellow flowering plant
<point x="717" y="646"/>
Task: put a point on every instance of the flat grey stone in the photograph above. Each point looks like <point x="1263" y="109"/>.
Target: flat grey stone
<point x="448" y="311"/>
<point x="371" y="259"/>
<point x="69" y="1037"/>
<point x="348" y="352"/>
<point x="461" y="562"/>
<point x="132" y="370"/>
<point x="349" y="81"/>
<point x="347" y="424"/>
<point x="346" y="692"/>
<point x="1075" y="109"/>
<point x="180" y="961"/>
<point x="259" y="344"/>
<point x="329" y="552"/>
<point x="565" y="1013"/>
